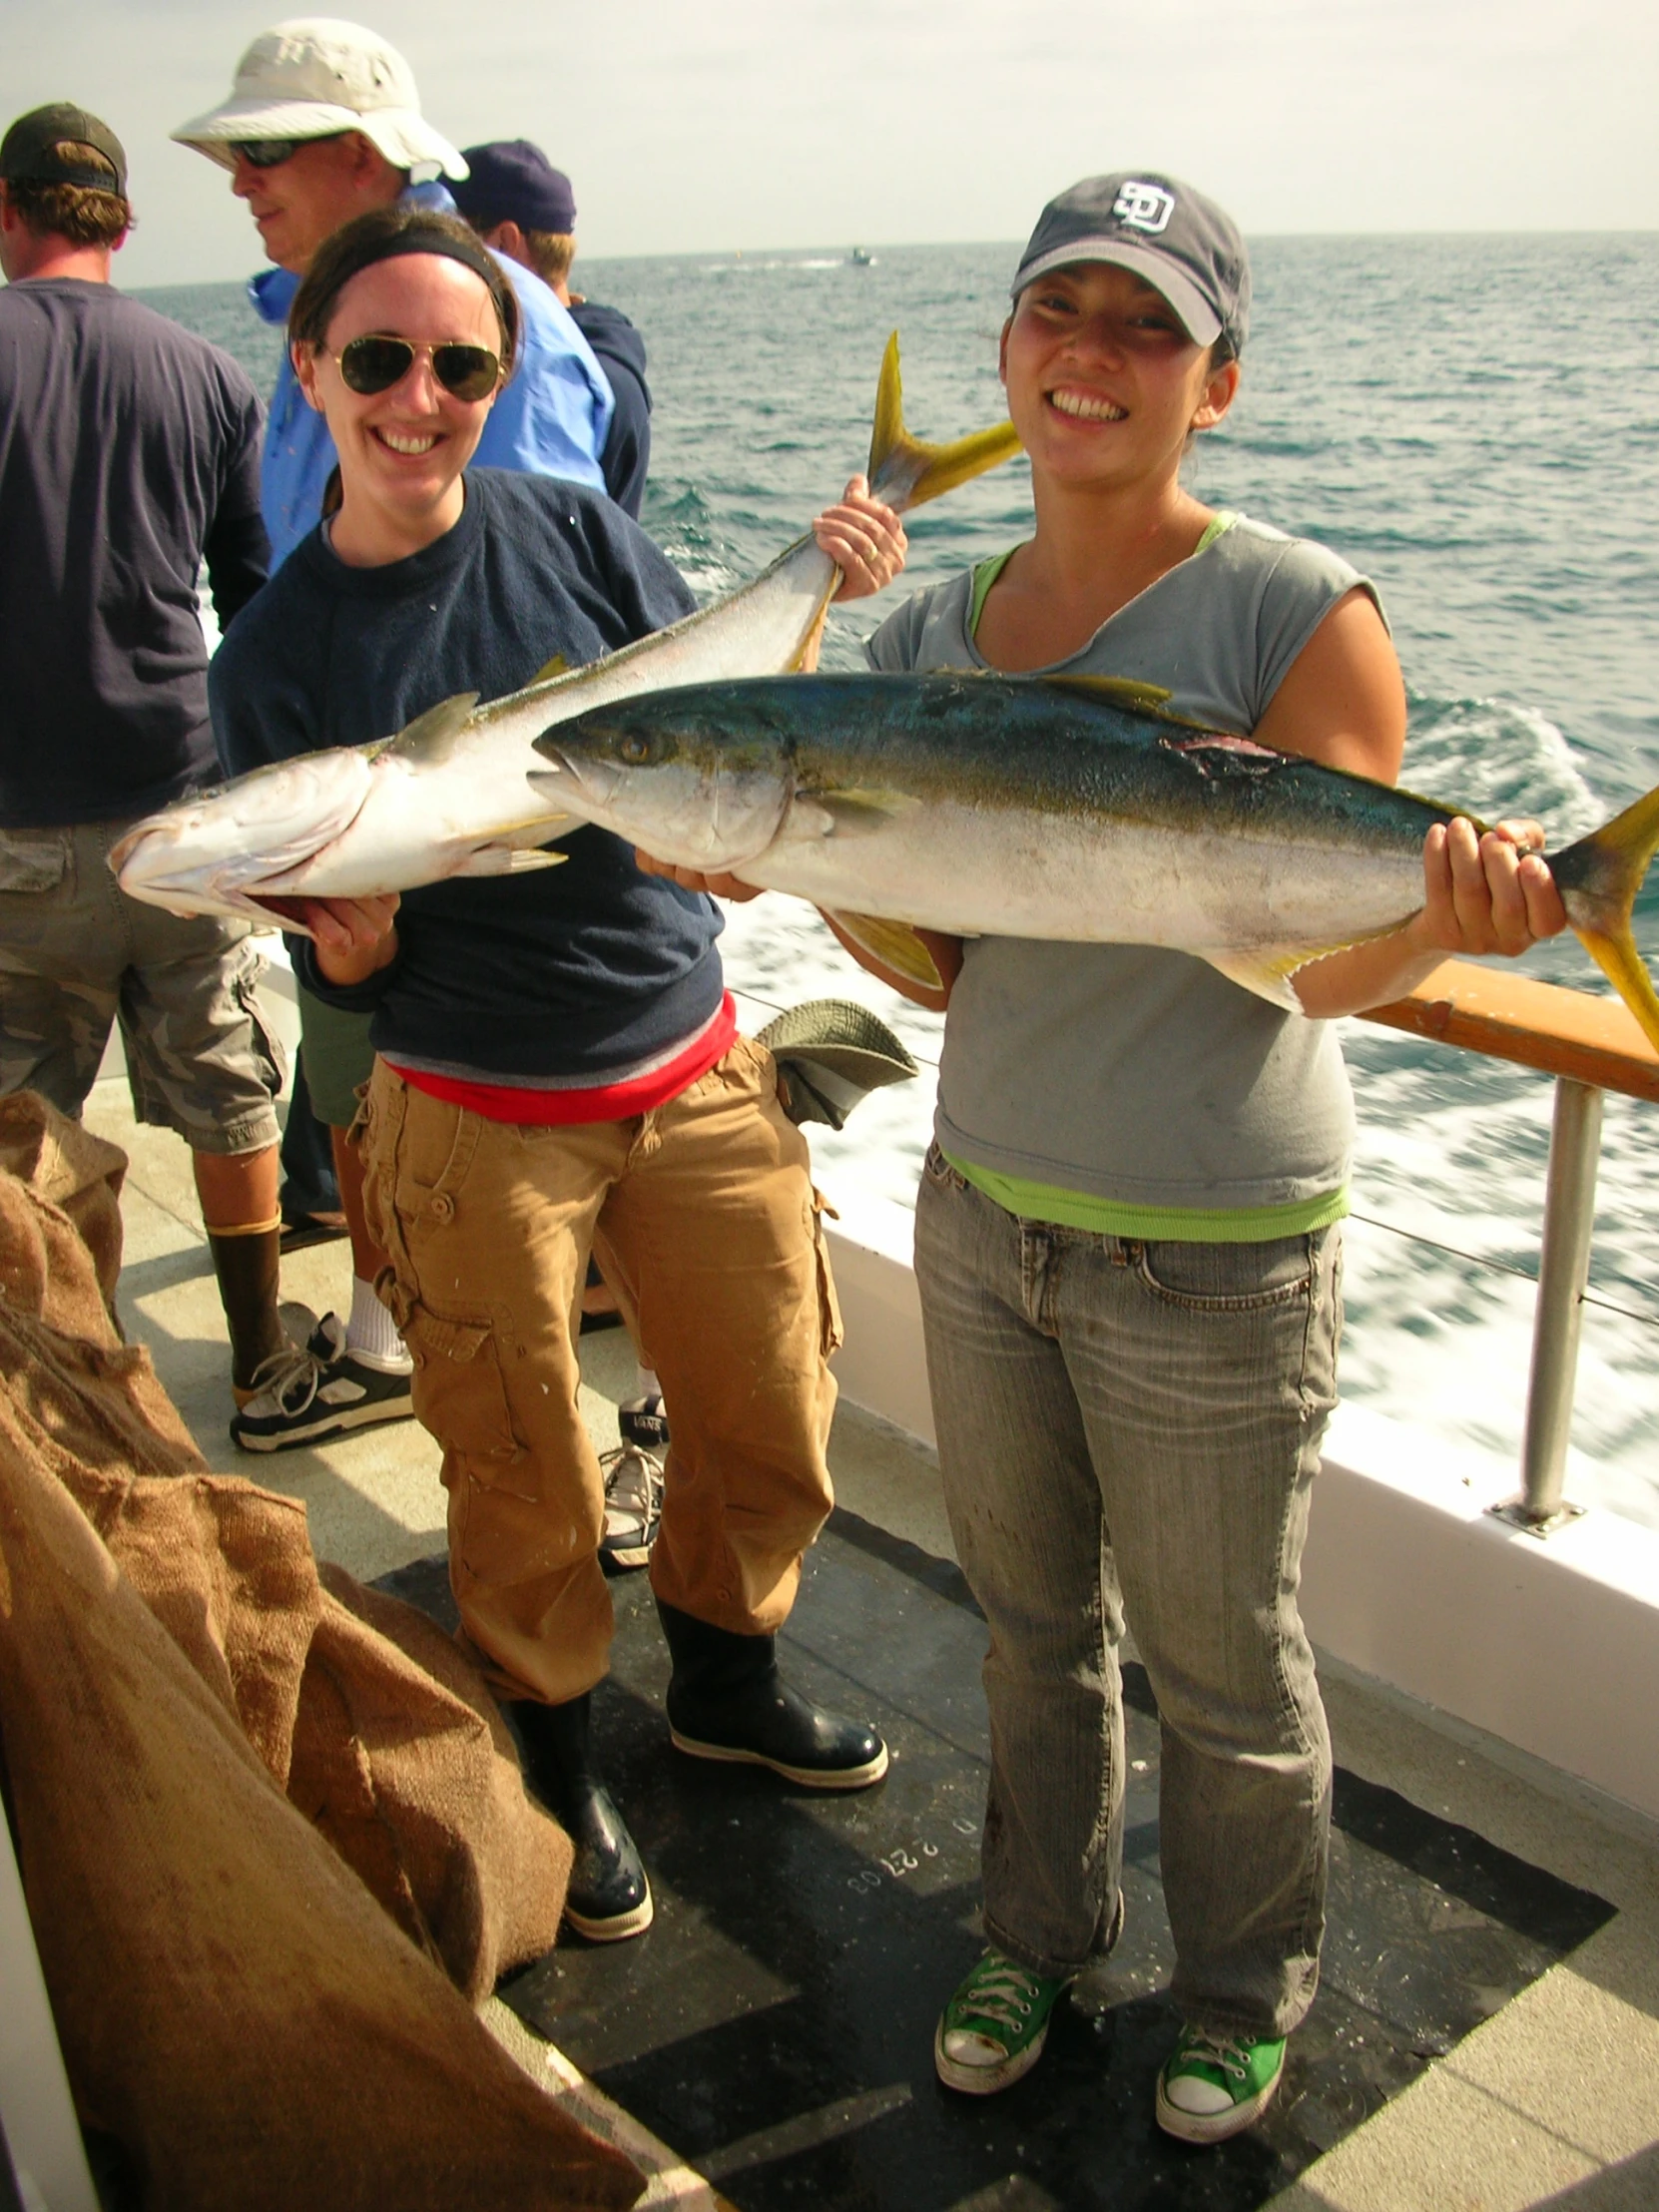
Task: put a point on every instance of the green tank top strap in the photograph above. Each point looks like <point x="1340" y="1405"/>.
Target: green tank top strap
<point x="985" y="574"/>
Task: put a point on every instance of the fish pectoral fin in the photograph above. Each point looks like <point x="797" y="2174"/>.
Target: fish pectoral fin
<point x="1265" y="970"/>
<point x="904" y="470"/>
<point x="431" y="735"/>
<point x="558" y="666"/>
<point x="863" y="808"/>
<point x="507" y="859"/>
<point x="894" y="943"/>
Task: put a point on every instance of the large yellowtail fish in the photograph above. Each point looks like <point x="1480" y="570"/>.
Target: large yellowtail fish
<point x="1067" y="807"/>
<point x="450" y="796"/>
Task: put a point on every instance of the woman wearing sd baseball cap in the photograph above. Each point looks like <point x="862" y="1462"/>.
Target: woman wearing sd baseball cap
<point x="1130" y="1272"/>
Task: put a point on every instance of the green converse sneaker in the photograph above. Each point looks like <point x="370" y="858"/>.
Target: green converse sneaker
<point x="994" y="2028"/>
<point x="1216" y="2085"/>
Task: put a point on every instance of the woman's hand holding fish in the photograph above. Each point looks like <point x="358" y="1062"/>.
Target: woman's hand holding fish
<point x="1485" y="891"/>
<point x="864" y="539"/>
<point x="1489" y="894"/>
<point x="354" y="937"/>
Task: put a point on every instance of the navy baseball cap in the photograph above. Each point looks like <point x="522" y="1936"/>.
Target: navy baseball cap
<point x="1163" y="231"/>
<point x="35" y="150"/>
<point x="511" y="181"/>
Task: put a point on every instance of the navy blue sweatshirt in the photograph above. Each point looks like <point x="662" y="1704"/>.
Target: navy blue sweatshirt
<point x="129" y="452"/>
<point x="577" y="971"/>
<point x="626" y="459"/>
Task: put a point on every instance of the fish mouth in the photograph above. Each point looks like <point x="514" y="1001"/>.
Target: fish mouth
<point x="595" y="782"/>
<point x="189" y="891"/>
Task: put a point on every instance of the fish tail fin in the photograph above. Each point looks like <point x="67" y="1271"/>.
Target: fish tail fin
<point x="904" y="470"/>
<point x="1599" y="879"/>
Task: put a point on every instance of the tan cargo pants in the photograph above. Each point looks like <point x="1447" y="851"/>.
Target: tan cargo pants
<point x="707" y="1224"/>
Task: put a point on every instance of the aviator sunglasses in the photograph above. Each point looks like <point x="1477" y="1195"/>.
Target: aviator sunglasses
<point x="272" y="153"/>
<point x="373" y="365"/>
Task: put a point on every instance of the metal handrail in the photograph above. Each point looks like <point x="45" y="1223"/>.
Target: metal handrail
<point x="1590" y="1045"/>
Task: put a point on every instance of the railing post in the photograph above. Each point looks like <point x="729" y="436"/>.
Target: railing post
<point x="1563" y="1275"/>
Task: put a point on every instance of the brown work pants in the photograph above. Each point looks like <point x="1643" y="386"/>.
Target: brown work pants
<point x="706" y="1224"/>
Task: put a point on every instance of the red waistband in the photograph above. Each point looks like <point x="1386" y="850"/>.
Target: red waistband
<point x="635" y="1094"/>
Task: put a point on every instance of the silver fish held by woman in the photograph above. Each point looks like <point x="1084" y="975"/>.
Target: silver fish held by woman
<point x="450" y="796"/>
<point x="1070" y="807"/>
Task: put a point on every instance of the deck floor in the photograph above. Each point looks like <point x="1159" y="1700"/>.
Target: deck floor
<point x="775" y="2023"/>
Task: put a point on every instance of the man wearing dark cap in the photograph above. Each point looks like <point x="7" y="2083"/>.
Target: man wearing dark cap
<point x="523" y="206"/>
<point x="129" y="452"/>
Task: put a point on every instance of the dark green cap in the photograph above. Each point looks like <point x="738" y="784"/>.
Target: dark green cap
<point x="29" y="152"/>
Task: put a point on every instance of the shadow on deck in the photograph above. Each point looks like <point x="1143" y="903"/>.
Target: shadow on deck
<point x="776" y="2025"/>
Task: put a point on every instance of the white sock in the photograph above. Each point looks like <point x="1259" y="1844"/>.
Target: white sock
<point x="372" y="1333"/>
<point x="645" y="1383"/>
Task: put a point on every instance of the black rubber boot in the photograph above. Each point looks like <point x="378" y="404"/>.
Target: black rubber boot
<point x="609" y="1897"/>
<point x="726" y="1700"/>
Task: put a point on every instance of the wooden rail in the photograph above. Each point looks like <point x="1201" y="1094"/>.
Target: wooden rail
<point x="1538" y="1025"/>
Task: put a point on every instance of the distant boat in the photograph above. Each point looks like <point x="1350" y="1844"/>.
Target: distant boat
<point x="860" y="259"/>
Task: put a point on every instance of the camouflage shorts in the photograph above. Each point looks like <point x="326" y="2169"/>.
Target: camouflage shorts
<point x="76" y="954"/>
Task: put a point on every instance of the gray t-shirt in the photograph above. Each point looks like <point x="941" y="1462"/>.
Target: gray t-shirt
<point x="1133" y="1075"/>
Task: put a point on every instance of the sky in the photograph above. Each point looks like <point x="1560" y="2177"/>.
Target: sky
<point x="708" y="126"/>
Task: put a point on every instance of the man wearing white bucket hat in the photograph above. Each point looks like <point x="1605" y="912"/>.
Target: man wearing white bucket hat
<point x="324" y="123"/>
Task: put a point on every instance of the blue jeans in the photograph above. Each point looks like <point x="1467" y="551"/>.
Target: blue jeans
<point x="1130" y="1427"/>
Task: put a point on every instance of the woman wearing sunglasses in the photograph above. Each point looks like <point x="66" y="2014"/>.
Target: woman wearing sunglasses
<point x="558" y="1068"/>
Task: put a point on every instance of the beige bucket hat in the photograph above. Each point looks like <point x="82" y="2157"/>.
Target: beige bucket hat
<point x="315" y="77"/>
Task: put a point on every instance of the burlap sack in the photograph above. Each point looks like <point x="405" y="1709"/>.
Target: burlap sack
<point x="235" y="2010"/>
<point x="235" y="2007"/>
<point x="401" y="1759"/>
<point x="401" y="1756"/>
<point x="79" y="1174"/>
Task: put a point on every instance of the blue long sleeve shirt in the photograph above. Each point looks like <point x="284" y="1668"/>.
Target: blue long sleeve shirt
<point x="551" y="418"/>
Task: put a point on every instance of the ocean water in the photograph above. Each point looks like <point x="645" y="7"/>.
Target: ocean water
<point x="1474" y="422"/>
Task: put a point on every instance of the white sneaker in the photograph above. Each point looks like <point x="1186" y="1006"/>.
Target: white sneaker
<point x="633" y="1506"/>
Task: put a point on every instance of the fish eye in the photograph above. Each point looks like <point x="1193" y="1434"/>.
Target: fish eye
<point x="635" y="749"/>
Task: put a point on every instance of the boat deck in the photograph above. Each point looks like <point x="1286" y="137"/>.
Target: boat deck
<point x="1487" y="2029"/>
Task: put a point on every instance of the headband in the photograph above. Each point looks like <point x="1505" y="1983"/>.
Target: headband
<point x="469" y="254"/>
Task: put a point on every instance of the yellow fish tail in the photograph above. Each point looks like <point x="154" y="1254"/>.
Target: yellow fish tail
<point x="904" y="470"/>
<point x="1599" y="878"/>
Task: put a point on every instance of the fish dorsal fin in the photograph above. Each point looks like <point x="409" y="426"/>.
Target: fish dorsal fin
<point x="558" y="666"/>
<point x="1120" y="691"/>
<point x="904" y="470"/>
<point x="894" y="943"/>
<point x="431" y="735"/>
